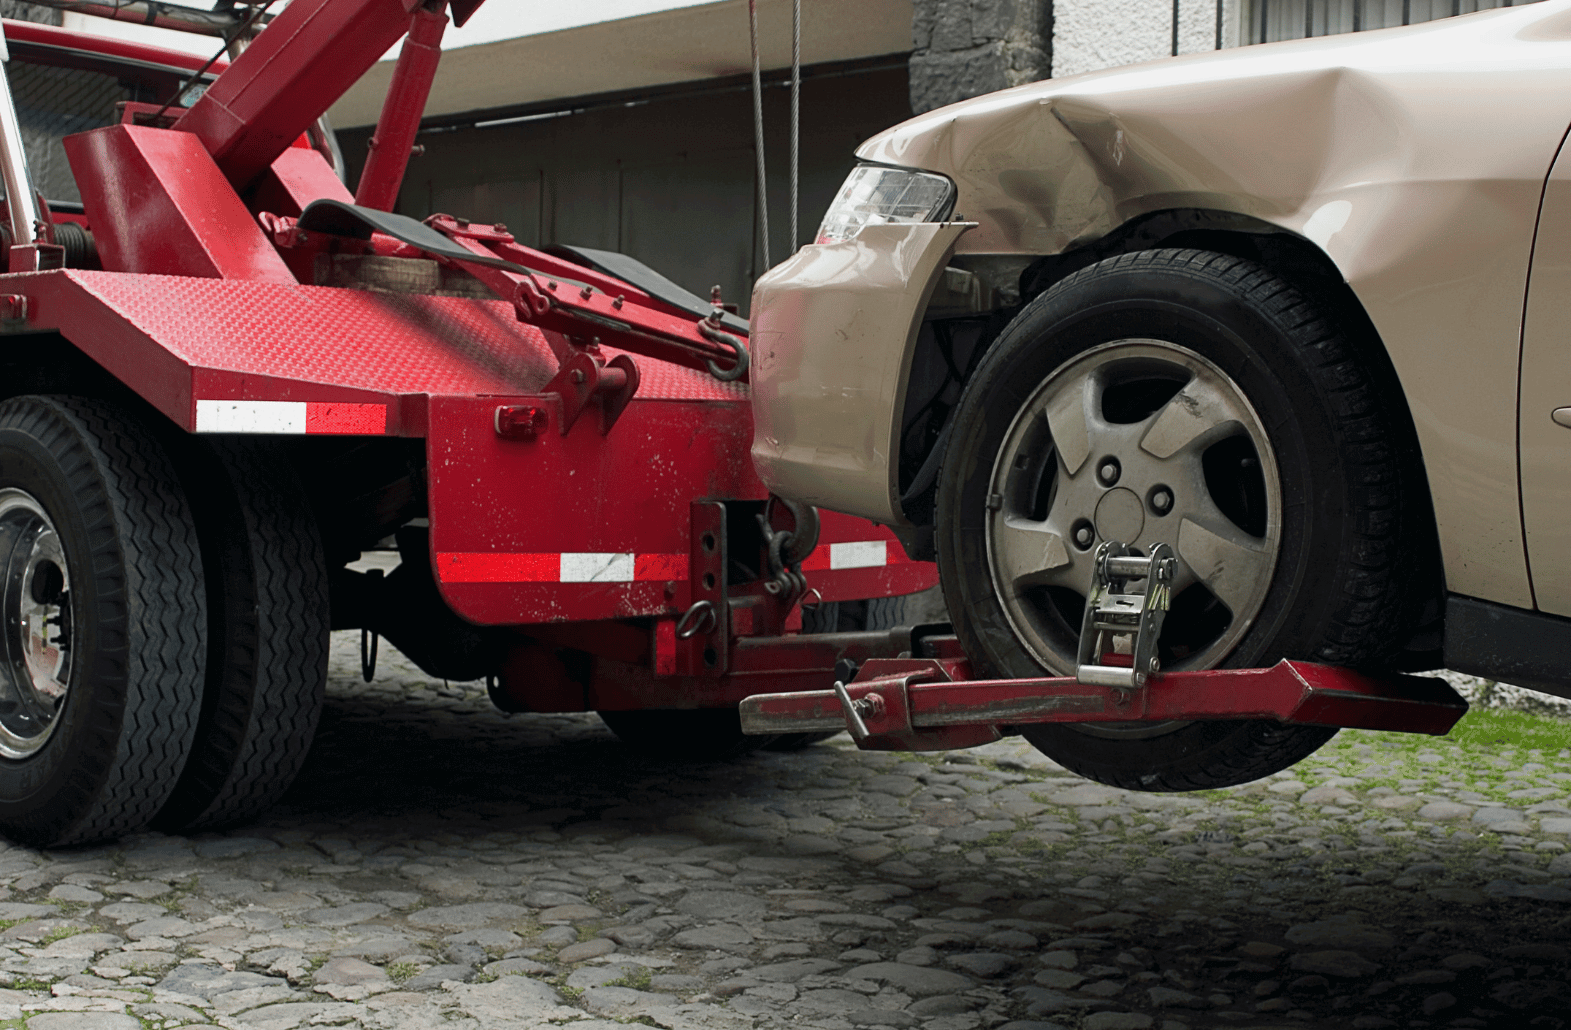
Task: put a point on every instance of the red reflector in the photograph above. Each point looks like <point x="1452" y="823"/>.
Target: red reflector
<point x="521" y="421"/>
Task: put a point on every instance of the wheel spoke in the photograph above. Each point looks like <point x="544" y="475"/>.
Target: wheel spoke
<point x="1067" y="418"/>
<point x="1228" y="561"/>
<point x="1029" y="553"/>
<point x="1197" y="416"/>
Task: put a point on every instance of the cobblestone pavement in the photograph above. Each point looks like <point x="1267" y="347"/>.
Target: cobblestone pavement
<point x="443" y="865"/>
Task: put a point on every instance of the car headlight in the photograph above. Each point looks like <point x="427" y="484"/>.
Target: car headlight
<point x="874" y="195"/>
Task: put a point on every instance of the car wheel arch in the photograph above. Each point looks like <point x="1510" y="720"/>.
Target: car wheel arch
<point x="1291" y="256"/>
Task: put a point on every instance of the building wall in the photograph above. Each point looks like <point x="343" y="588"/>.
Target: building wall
<point x="19" y="10"/>
<point x="1089" y="35"/>
<point x="1015" y="41"/>
<point x="668" y="179"/>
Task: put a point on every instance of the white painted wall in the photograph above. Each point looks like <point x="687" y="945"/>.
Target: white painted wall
<point x="498" y="19"/>
<point x="1089" y="35"/>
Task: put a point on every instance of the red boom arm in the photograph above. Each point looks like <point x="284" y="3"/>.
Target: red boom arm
<point x="299" y="66"/>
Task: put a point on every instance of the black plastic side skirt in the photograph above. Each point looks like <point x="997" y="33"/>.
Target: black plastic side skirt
<point x="1529" y="649"/>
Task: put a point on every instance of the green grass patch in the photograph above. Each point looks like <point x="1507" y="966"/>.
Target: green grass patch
<point x="1492" y="728"/>
<point x="1506" y="733"/>
<point x="402" y="972"/>
<point x="638" y="979"/>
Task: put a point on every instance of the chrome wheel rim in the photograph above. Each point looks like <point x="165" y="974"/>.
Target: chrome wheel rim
<point x="35" y="609"/>
<point x="1145" y="442"/>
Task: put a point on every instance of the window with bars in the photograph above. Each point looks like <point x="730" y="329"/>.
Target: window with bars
<point x="59" y="92"/>
<point x="1270" y="20"/>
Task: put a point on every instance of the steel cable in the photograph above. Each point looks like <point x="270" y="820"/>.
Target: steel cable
<point x="758" y="133"/>
<point x="796" y="118"/>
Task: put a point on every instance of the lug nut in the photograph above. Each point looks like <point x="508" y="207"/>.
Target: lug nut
<point x="1108" y="471"/>
<point x="1161" y="500"/>
<point x="1084" y="535"/>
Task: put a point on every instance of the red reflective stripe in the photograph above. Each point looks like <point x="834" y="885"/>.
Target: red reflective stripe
<point x="818" y="561"/>
<point x="484" y="567"/>
<point x="660" y="566"/>
<point x="503" y="567"/>
<point x="336" y="417"/>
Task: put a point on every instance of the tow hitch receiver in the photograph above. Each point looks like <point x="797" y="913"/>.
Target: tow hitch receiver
<point x="931" y="704"/>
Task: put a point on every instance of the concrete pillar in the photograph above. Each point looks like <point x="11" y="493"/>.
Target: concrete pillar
<point x="964" y="48"/>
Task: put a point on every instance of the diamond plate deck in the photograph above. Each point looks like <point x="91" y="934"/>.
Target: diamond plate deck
<point x="174" y="339"/>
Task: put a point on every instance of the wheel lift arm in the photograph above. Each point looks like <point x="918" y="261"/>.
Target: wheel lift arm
<point x="931" y="703"/>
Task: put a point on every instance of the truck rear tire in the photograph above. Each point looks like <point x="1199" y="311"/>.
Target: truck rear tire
<point x="269" y="623"/>
<point x="104" y="641"/>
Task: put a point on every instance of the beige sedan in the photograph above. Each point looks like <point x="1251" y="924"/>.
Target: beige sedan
<point x="1299" y="311"/>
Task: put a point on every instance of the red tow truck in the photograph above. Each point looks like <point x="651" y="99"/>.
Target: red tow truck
<point x="226" y="376"/>
<point x="223" y="377"/>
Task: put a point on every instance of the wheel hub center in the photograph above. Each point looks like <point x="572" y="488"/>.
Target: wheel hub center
<point x="1120" y="516"/>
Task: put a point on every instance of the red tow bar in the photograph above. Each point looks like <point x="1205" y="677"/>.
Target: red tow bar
<point x="930" y="704"/>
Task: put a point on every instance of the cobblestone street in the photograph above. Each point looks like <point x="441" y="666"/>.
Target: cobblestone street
<point x="442" y="864"/>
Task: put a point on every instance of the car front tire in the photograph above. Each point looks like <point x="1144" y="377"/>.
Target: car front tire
<point x="1196" y="399"/>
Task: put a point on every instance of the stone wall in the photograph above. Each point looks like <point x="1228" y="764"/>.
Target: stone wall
<point x="18" y="11"/>
<point x="963" y="48"/>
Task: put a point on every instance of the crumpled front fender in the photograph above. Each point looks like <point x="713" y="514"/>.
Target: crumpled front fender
<point x="833" y="330"/>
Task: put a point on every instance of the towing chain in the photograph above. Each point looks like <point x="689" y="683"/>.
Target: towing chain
<point x="787" y="547"/>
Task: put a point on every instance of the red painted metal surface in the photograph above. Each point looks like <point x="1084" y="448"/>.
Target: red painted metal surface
<point x="390" y="146"/>
<point x="917" y="704"/>
<point x="158" y="204"/>
<point x="299" y="176"/>
<point x="305" y="59"/>
<point x="445" y="365"/>
<point x="590" y="526"/>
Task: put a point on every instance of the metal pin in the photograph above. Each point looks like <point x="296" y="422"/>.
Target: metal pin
<point x="853" y="717"/>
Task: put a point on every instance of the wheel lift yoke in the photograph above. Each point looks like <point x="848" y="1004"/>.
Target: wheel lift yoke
<point x="930" y="702"/>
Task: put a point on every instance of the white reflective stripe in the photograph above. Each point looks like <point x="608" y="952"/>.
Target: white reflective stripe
<point x="862" y="554"/>
<point x="250" y="416"/>
<point x="597" y="568"/>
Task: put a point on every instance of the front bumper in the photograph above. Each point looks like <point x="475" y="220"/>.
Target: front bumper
<point x="833" y="332"/>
